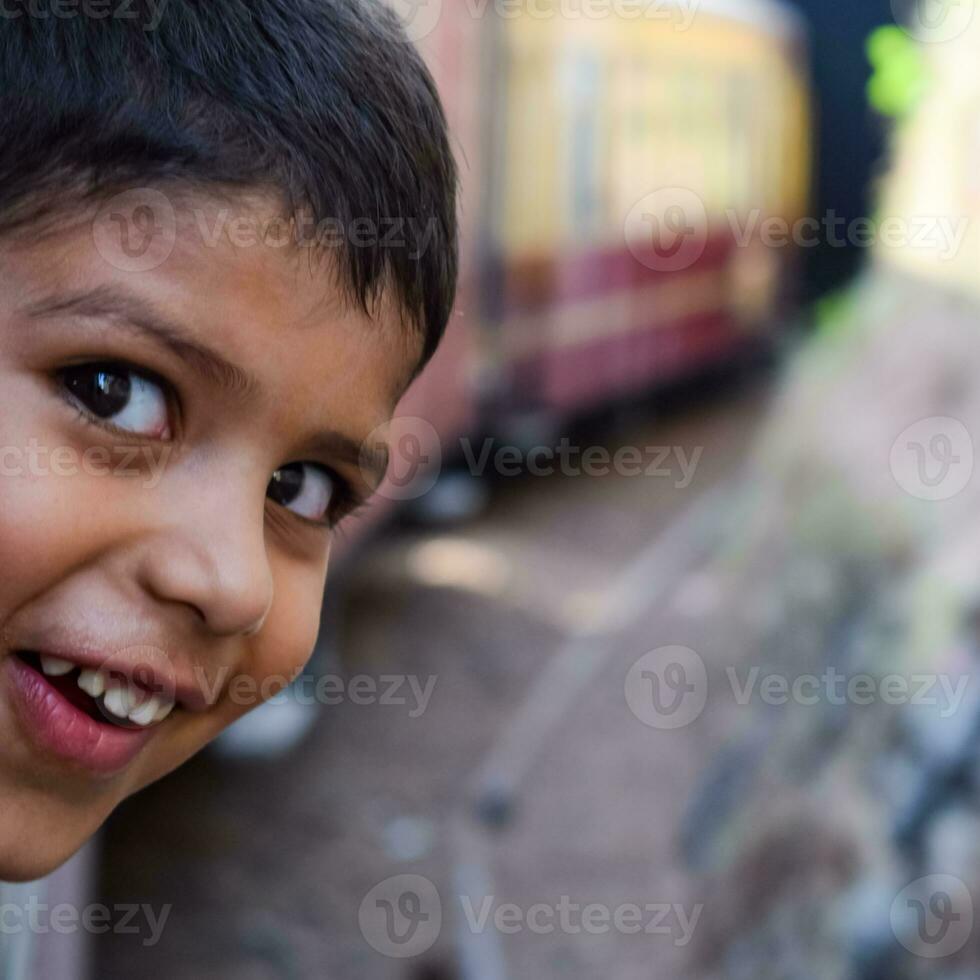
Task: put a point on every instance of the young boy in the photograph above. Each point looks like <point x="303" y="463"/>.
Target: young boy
<point x="227" y="245"/>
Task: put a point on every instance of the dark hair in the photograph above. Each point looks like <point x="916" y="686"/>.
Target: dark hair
<point x="323" y="100"/>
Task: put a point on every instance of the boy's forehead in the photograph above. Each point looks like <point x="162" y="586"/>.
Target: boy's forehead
<point x="230" y="271"/>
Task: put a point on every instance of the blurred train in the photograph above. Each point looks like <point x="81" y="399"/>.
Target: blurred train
<point x="620" y="160"/>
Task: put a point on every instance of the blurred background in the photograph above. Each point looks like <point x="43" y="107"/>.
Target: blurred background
<point x="656" y="656"/>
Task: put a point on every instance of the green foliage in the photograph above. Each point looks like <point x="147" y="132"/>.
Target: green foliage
<point x="900" y="75"/>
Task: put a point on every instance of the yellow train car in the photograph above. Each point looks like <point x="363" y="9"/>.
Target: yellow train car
<point x="634" y="152"/>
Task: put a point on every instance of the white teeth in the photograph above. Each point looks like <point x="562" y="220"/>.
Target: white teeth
<point x="132" y="703"/>
<point x="55" y="666"/>
<point x="117" y="701"/>
<point x="92" y="683"/>
<point x="146" y="712"/>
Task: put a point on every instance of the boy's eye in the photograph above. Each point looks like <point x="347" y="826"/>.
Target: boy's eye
<point x="305" y="489"/>
<point x="120" y="395"/>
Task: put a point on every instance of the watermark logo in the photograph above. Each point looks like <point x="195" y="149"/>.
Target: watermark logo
<point x="667" y="688"/>
<point x="136" y="231"/>
<point x="667" y="229"/>
<point x="419" y="17"/>
<point x="401" y="916"/>
<point x="147" y="674"/>
<point x="933" y="916"/>
<point x="415" y="457"/>
<point x="933" y="459"/>
<point x="934" y="21"/>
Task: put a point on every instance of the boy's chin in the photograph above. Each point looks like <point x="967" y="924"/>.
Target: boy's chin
<point x="36" y="847"/>
<point x="34" y="862"/>
<point x="18" y="873"/>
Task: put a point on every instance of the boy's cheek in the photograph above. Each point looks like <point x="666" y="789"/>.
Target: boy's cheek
<point x="243" y="692"/>
<point x="272" y="665"/>
<point x="49" y="524"/>
<point x="40" y="532"/>
<point x="52" y="506"/>
<point x="281" y="659"/>
<point x="286" y="642"/>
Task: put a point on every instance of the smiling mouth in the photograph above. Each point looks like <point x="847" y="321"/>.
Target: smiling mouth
<point x="104" y="698"/>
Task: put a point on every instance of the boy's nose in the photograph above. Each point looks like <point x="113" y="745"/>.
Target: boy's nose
<point x="215" y="561"/>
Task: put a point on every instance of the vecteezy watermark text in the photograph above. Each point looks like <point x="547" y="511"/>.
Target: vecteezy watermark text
<point x="89" y="9"/>
<point x="573" y="918"/>
<point x="402" y="917"/>
<point x="570" y="460"/>
<point x="940" y="232"/>
<point x="668" y="230"/>
<point x="385" y="690"/>
<point x="421" y="17"/>
<point x="667" y="688"/>
<point x="137" y="230"/>
<point x="416" y="455"/>
<point x="245" y="231"/>
<point x="37" y="918"/>
<point x="836" y="688"/>
<point x="36" y="460"/>
<point x="679" y="13"/>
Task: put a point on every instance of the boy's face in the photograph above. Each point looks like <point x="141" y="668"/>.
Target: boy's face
<point x="154" y="530"/>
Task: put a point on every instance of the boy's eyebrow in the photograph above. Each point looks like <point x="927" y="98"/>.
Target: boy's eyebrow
<point x="139" y="315"/>
<point x="372" y="460"/>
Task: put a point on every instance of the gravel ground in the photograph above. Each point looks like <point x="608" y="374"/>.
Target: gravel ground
<point x="266" y="864"/>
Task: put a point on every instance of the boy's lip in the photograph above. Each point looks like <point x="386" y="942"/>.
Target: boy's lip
<point x="58" y="728"/>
